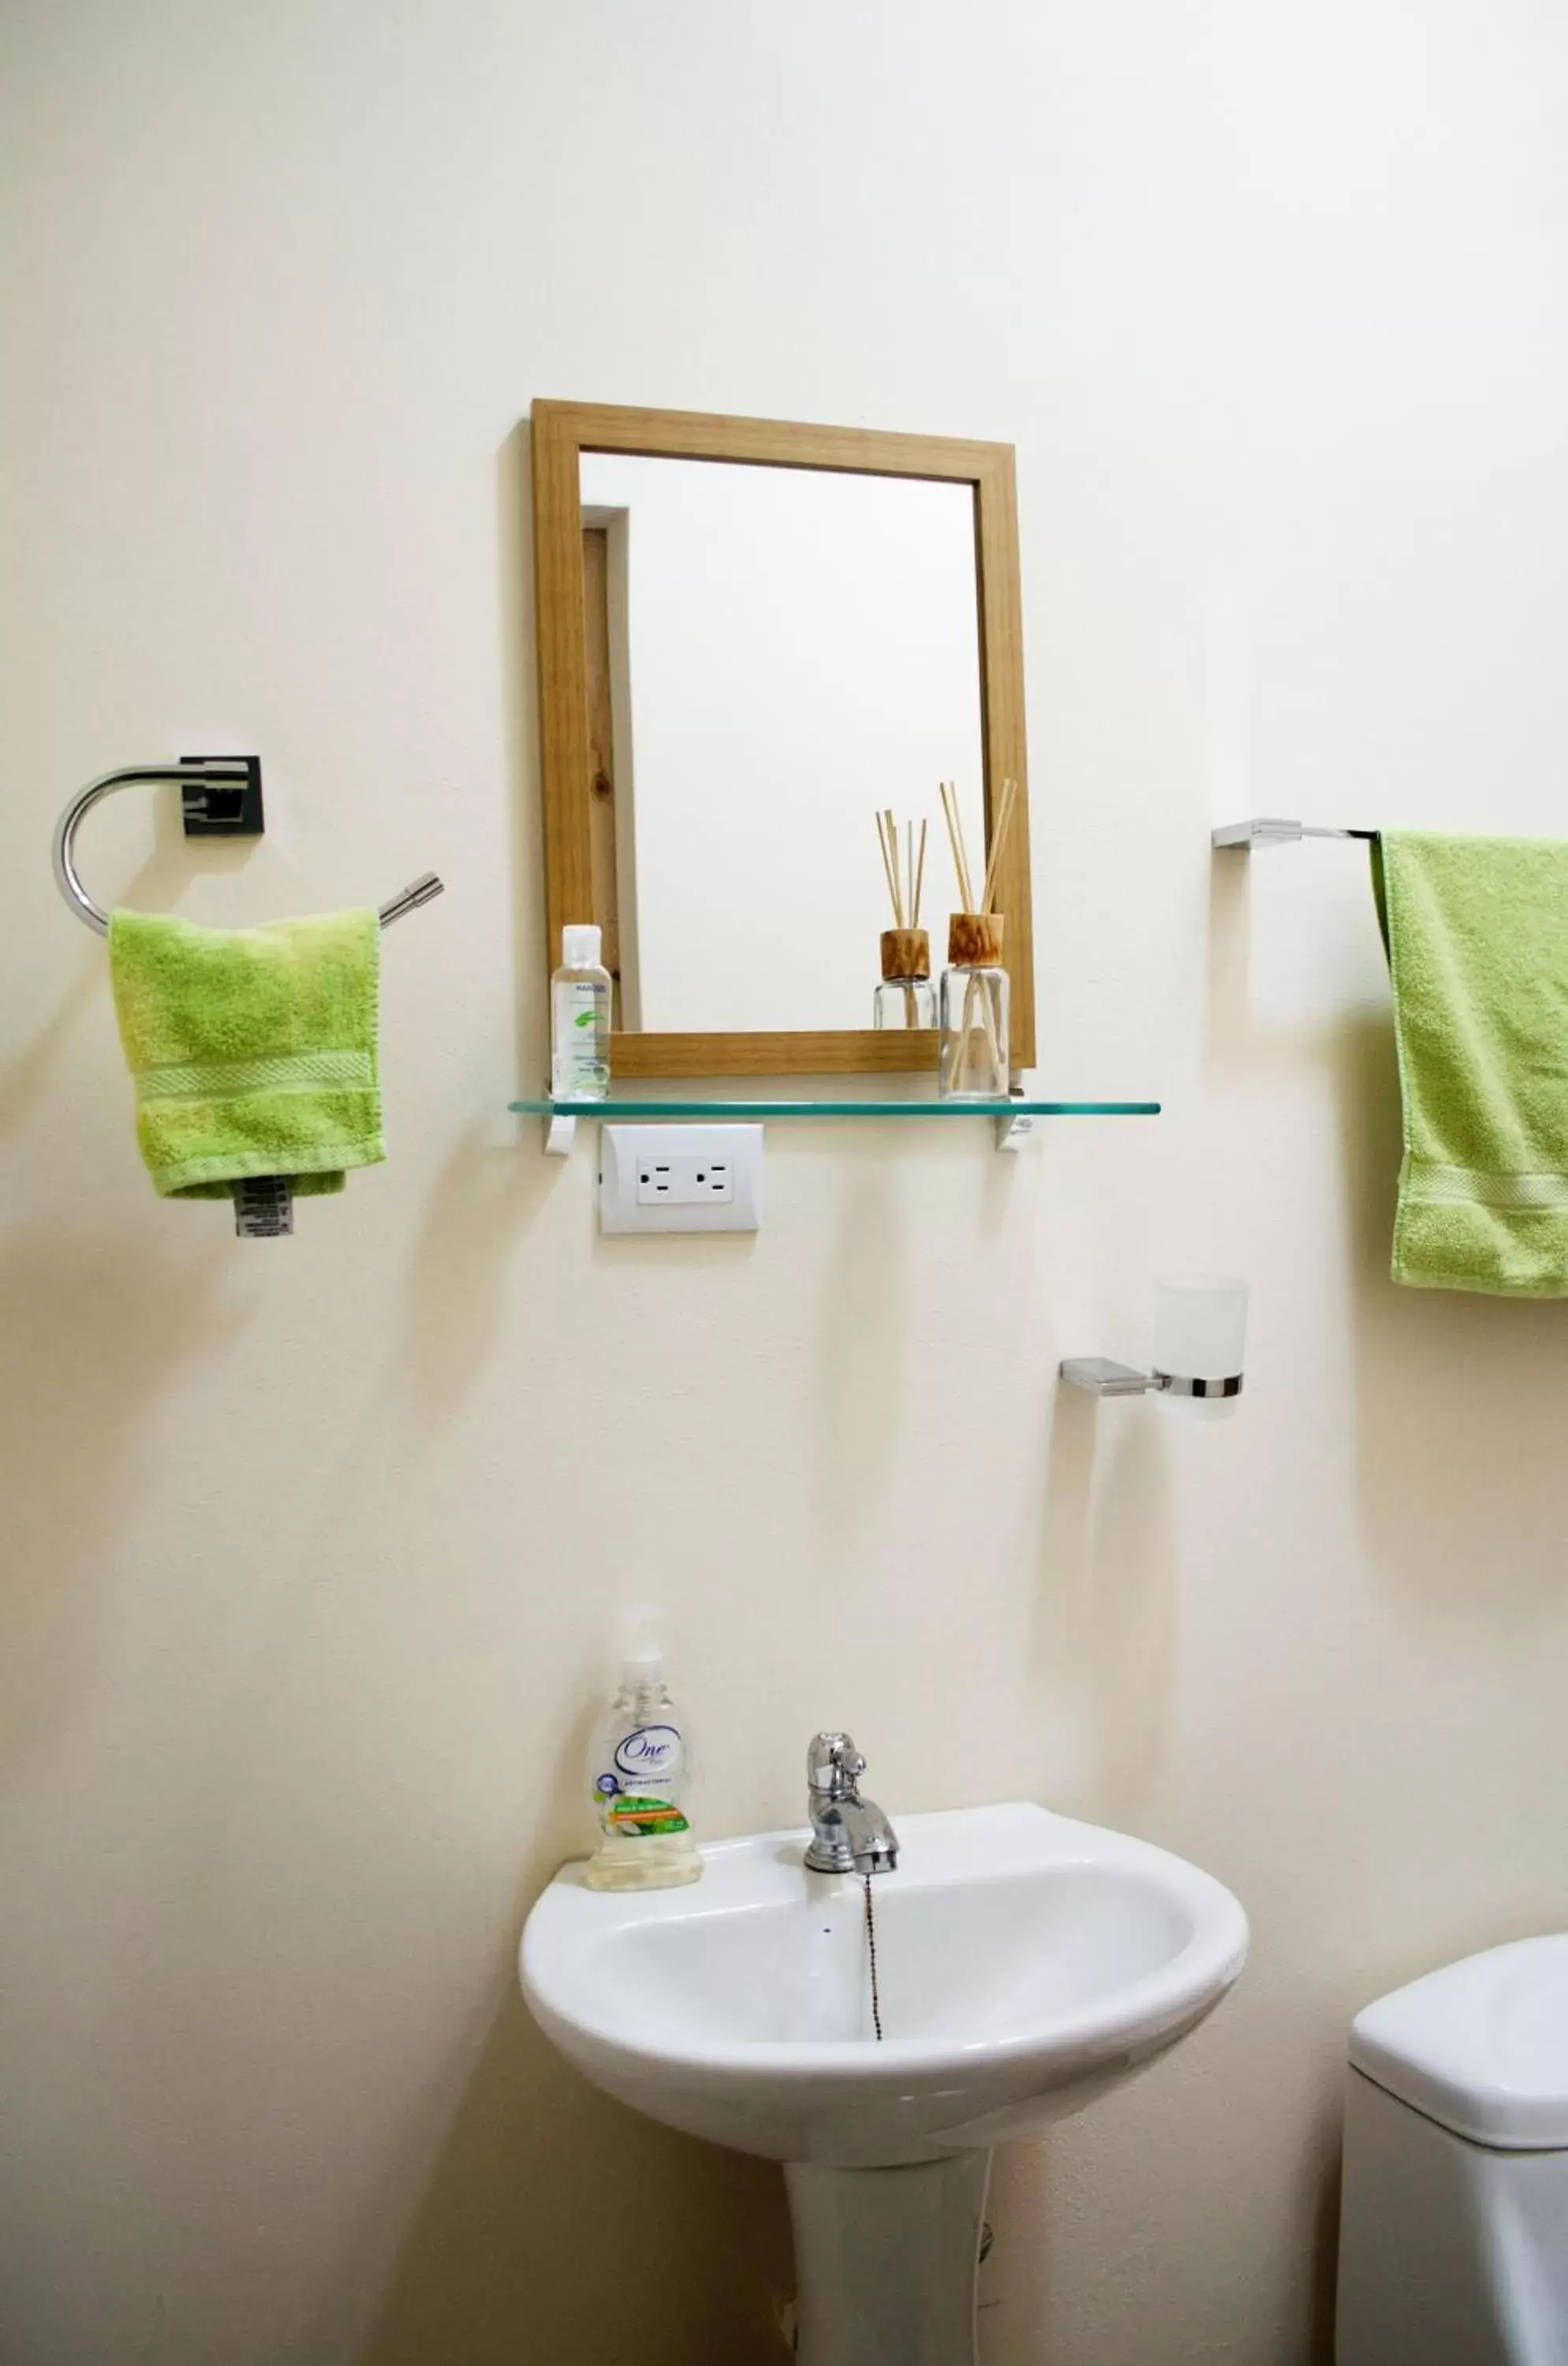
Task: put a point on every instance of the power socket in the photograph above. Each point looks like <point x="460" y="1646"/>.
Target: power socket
<point x="683" y="1180"/>
<point x="680" y="1178"/>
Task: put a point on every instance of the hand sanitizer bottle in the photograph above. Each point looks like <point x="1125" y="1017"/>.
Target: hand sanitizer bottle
<point x="639" y="1772"/>
<point x="579" y="1019"/>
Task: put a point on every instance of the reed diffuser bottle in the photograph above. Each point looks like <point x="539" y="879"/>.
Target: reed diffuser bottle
<point x="971" y="1048"/>
<point x="973" y="1053"/>
<point x="904" y="998"/>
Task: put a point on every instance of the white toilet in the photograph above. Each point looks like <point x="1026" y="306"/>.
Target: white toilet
<point x="1453" y="2232"/>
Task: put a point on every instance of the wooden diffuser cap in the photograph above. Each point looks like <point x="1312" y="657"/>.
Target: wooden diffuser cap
<point x="906" y="952"/>
<point x="974" y="939"/>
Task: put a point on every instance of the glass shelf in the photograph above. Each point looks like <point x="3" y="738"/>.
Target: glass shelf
<point x="740" y="1112"/>
<point x="1012" y="1122"/>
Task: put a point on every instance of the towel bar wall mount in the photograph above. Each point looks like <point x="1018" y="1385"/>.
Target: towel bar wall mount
<point x="1247" y="837"/>
<point x="220" y="796"/>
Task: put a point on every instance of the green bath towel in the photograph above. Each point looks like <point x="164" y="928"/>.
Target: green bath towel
<point x="1477" y="937"/>
<point x="252" y="1050"/>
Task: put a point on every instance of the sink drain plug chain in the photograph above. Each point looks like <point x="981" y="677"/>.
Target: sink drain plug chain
<point x="870" y="1952"/>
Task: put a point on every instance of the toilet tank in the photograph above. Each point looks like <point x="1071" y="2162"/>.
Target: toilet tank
<point x="1454" y="2217"/>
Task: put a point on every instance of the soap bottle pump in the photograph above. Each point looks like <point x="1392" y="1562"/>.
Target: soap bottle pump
<point x="639" y="1767"/>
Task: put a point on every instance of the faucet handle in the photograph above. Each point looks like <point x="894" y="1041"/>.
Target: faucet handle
<point x="833" y="1764"/>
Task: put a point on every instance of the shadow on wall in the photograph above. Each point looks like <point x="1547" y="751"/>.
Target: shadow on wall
<point x="869" y="1362"/>
<point x="99" y="1326"/>
<point x="1234" y="1045"/>
<point x="1107" y="1605"/>
<point x="486" y="1194"/>
<point x="515" y="603"/>
<point x="485" y="1198"/>
<point x="1433" y="1410"/>
<point x="1451" y="1386"/>
<point x="858" y="1402"/>
<point x="1325" y="2205"/>
<point x="542" y="2240"/>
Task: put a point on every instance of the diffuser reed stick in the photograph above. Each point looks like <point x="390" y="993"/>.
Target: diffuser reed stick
<point x="906" y="956"/>
<point x="956" y="839"/>
<point x="999" y="842"/>
<point x="890" y="869"/>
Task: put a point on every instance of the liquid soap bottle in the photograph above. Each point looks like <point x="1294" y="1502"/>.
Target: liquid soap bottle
<point x="639" y="1775"/>
<point x="579" y="1019"/>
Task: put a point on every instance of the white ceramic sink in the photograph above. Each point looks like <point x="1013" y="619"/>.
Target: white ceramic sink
<point x="1026" y="1962"/>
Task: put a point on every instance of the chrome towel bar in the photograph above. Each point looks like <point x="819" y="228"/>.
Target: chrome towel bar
<point x="1247" y="836"/>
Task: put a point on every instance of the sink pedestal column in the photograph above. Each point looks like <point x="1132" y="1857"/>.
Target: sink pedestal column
<point x="885" y="2260"/>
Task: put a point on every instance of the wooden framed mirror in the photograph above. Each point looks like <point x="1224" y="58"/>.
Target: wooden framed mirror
<point x="752" y="635"/>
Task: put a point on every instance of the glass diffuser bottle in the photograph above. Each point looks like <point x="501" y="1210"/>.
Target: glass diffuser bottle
<point x="904" y="1000"/>
<point x="972" y="1053"/>
<point x="905" y="997"/>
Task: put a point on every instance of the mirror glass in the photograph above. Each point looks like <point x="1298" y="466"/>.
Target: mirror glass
<point x="773" y="655"/>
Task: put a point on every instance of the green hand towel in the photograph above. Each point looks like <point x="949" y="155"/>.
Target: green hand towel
<point x="252" y="1050"/>
<point x="1477" y="937"/>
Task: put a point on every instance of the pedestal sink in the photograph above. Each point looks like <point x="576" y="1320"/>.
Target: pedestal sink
<point x="1026" y="1964"/>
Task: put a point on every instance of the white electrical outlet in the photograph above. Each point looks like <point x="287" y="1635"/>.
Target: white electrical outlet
<point x="680" y="1178"/>
<point x="686" y="1179"/>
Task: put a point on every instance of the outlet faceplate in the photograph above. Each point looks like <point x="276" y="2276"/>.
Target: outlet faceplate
<point x="680" y="1178"/>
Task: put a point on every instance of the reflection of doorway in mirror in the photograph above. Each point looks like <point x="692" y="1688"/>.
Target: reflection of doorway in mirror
<point x="787" y="652"/>
<point x="602" y="757"/>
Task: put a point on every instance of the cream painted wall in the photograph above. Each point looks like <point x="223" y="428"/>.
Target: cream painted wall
<point x="310" y="1545"/>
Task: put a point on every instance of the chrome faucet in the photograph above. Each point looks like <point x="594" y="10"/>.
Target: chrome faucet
<point x="848" y="1834"/>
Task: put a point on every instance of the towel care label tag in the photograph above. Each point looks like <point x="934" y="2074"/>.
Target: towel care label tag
<point x="264" y="1207"/>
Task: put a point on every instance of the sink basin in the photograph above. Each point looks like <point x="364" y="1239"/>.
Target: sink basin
<point x="1026" y="1962"/>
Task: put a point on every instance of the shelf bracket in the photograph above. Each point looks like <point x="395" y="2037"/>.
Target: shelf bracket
<point x="560" y="1133"/>
<point x="1012" y="1132"/>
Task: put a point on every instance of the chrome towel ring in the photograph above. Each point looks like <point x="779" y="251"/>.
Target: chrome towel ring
<point x="239" y="777"/>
